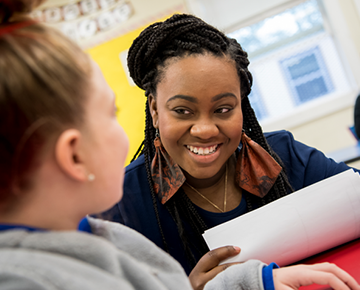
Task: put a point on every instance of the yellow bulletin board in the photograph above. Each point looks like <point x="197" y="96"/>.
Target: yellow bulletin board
<point x="130" y="100"/>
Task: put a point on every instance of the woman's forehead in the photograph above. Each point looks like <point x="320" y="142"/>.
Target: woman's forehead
<point x="199" y="72"/>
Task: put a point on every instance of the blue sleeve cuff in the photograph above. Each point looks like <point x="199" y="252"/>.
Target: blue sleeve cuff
<point x="267" y="276"/>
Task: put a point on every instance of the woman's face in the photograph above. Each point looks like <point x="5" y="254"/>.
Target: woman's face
<point x="198" y="113"/>
<point x="106" y="143"/>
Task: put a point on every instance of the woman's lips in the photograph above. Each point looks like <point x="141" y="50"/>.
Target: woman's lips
<point x="202" y="150"/>
<point x="204" y="157"/>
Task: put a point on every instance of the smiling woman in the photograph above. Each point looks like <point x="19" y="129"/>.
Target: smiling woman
<point x="208" y="117"/>
<point x="204" y="159"/>
<point x="202" y="128"/>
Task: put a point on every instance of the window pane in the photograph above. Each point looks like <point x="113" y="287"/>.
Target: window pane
<point x="305" y="66"/>
<point x="307" y="75"/>
<point x="297" y="22"/>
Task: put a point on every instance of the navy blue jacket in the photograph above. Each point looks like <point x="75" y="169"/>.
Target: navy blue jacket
<point x="304" y="166"/>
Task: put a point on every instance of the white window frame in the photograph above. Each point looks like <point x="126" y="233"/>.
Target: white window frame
<point x="322" y="107"/>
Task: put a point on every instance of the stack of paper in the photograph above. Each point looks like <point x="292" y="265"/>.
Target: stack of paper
<point x="304" y="223"/>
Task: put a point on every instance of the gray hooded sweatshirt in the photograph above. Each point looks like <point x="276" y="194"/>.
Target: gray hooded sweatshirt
<point x="113" y="257"/>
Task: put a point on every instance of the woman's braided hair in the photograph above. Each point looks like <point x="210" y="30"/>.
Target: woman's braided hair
<point x="177" y="37"/>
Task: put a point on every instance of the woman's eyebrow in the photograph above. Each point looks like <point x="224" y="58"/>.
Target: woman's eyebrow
<point x="223" y="95"/>
<point x="183" y="97"/>
<point x="194" y="100"/>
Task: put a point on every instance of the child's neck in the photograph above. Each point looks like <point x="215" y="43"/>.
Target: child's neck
<point x="38" y="213"/>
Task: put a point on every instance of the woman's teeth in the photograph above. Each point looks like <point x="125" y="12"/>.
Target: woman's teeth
<point x="202" y="150"/>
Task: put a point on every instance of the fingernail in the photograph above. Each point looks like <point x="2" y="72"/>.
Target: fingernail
<point x="237" y="249"/>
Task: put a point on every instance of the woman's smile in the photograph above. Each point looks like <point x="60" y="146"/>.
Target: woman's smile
<point x="202" y="150"/>
<point x="204" y="155"/>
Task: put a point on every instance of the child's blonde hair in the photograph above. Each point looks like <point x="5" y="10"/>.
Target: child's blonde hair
<point x="43" y="84"/>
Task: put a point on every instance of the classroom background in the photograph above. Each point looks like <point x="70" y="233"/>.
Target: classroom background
<point x="305" y="57"/>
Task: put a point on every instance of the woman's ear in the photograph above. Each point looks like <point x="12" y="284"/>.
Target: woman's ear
<point x="68" y="155"/>
<point x="153" y="110"/>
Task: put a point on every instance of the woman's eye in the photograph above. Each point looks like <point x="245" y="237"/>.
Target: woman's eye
<point x="222" y="110"/>
<point x="182" y="111"/>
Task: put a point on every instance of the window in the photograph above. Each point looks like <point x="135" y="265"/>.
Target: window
<point x="294" y="61"/>
<point x="307" y="75"/>
<point x="295" y="23"/>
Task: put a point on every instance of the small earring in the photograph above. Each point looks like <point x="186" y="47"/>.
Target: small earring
<point x="157" y="132"/>
<point x="91" y="177"/>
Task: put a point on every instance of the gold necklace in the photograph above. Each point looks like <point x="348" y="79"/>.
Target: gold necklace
<point x="208" y="200"/>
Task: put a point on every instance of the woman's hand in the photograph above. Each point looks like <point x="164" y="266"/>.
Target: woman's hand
<point x="324" y="274"/>
<point x="208" y="266"/>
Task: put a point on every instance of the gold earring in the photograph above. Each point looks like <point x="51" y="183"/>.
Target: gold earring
<point x="91" y="177"/>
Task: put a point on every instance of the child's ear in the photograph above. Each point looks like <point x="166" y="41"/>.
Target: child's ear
<point x="153" y="111"/>
<point x="68" y="155"/>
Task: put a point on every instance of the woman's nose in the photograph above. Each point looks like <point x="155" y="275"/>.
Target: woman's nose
<point x="204" y="129"/>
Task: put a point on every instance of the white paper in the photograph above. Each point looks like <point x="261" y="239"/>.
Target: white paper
<point x="294" y="227"/>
